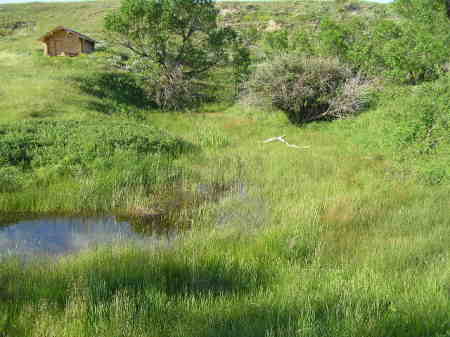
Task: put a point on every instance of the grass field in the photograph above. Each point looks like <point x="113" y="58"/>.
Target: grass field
<point x="337" y="239"/>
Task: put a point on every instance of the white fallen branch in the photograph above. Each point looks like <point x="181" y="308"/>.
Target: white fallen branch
<point x="281" y="139"/>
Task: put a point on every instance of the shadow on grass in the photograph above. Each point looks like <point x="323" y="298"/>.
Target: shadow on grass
<point x="117" y="93"/>
<point x="121" y="93"/>
<point x="46" y="110"/>
<point x="106" y="275"/>
<point x="176" y="276"/>
<point x="208" y="296"/>
<point x="256" y="320"/>
<point x="326" y="317"/>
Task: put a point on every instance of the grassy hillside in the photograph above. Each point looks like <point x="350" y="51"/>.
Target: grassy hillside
<point x="34" y="86"/>
<point x="341" y="238"/>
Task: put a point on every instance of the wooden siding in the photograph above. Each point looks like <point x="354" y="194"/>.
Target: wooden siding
<point x="67" y="43"/>
<point x="88" y="46"/>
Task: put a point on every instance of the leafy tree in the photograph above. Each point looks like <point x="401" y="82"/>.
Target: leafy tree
<point x="424" y="11"/>
<point x="411" y="49"/>
<point x="172" y="44"/>
<point x="241" y="65"/>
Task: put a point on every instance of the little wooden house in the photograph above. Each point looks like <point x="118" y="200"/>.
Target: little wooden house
<point x="66" y="42"/>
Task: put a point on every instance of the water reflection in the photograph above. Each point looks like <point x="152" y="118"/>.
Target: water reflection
<point x="21" y="234"/>
<point x="59" y="235"/>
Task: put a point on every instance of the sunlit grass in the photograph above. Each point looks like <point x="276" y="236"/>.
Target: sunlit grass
<point x="337" y="239"/>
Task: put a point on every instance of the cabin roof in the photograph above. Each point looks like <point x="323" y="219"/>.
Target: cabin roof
<point x="59" y="28"/>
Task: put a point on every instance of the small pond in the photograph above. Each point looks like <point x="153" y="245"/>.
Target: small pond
<point x="59" y="235"/>
<point x="32" y="235"/>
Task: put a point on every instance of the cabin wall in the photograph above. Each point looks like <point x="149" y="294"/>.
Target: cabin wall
<point x="88" y="46"/>
<point x="50" y="48"/>
<point x="64" y="43"/>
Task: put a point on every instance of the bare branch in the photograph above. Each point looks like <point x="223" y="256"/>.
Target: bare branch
<point x="281" y="139"/>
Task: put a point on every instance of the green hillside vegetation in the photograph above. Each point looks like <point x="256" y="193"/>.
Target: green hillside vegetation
<point x="347" y="235"/>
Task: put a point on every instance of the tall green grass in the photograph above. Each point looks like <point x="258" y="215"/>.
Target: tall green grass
<point x="89" y="166"/>
<point x="409" y="126"/>
<point x="322" y="243"/>
<point x="334" y="240"/>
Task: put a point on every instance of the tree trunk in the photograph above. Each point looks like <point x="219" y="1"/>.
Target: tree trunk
<point x="448" y="8"/>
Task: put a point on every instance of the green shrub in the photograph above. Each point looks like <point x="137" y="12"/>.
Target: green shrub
<point x="406" y="52"/>
<point x="421" y="129"/>
<point x="11" y="179"/>
<point x="412" y="123"/>
<point x="308" y="88"/>
<point x="335" y="38"/>
<point x="277" y="41"/>
<point x="174" y="90"/>
<point x="424" y="122"/>
<point x="74" y="146"/>
<point x="412" y="49"/>
<point x="84" y="166"/>
<point x="302" y="40"/>
<point x="422" y="11"/>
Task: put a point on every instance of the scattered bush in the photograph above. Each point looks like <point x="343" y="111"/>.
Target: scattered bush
<point x="309" y="88"/>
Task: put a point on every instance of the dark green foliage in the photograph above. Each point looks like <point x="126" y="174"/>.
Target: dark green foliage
<point x="409" y="50"/>
<point x="423" y="11"/>
<point x="241" y="63"/>
<point x="40" y="143"/>
<point x="419" y="129"/>
<point x="11" y="179"/>
<point x="335" y="37"/>
<point x="165" y="31"/>
<point x="277" y="41"/>
<point x="171" y="45"/>
<point x="304" y="42"/>
<point x="425" y="121"/>
<point x="119" y="153"/>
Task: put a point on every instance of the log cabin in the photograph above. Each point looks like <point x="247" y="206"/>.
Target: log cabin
<point x="62" y="41"/>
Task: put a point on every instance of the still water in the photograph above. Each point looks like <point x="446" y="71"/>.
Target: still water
<point x="62" y="235"/>
<point x="26" y="235"/>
